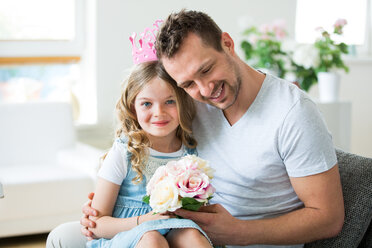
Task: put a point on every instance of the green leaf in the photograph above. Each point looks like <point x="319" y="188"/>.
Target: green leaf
<point x="247" y="48"/>
<point x="146" y="199"/>
<point x="189" y="203"/>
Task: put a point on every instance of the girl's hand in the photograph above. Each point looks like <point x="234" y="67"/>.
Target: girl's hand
<point x="151" y="216"/>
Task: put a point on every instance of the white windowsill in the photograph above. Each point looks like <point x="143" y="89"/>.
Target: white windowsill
<point x="363" y="59"/>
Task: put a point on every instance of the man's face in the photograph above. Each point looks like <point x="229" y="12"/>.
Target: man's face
<point x="206" y="74"/>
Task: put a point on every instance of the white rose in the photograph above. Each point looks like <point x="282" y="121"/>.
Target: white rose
<point x="164" y="196"/>
<point x="200" y="164"/>
<point x="159" y="175"/>
<point x="306" y="56"/>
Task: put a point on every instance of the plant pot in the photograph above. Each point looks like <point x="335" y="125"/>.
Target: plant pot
<point x="329" y="86"/>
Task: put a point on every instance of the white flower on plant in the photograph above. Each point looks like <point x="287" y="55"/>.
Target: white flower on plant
<point x="340" y="23"/>
<point x="288" y="45"/>
<point x="306" y="56"/>
<point x="164" y="196"/>
<point x="291" y="77"/>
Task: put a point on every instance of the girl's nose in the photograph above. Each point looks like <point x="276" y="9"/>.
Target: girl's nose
<point x="158" y="110"/>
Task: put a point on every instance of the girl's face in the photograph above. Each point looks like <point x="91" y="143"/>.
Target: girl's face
<point x="156" y="109"/>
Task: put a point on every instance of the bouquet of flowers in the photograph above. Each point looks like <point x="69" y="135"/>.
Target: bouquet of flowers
<point x="180" y="184"/>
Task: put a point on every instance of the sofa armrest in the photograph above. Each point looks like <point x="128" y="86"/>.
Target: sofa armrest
<point x="356" y="174"/>
<point x="1" y="191"/>
<point x="367" y="239"/>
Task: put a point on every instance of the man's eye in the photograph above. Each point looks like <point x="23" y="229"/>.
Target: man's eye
<point x="170" y="102"/>
<point x="187" y="85"/>
<point x="206" y="70"/>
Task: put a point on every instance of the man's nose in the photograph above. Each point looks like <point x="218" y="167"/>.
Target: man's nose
<point x="205" y="88"/>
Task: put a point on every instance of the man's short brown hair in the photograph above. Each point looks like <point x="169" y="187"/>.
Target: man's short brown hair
<point x="178" y="25"/>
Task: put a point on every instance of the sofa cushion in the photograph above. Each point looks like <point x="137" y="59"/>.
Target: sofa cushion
<point x="367" y="240"/>
<point x="42" y="190"/>
<point x="38" y="198"/>
<point x="356" y="180"/>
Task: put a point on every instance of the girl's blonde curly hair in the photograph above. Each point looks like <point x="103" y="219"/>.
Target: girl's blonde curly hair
<point x="138" y="143"/>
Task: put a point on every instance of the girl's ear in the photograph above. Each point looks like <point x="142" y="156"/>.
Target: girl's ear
<point x="227" y="43"/>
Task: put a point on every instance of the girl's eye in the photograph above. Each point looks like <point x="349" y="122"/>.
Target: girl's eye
<point x="146" y="104"/>
<point x="170" y="102"/>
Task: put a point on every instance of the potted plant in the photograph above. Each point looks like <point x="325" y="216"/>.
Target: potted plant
<point x="320" y="61"/>
<point x="263" y="47"/>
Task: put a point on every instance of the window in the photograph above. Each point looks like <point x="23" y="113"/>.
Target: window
<point x="324" y="13"/>
<point x="42" y="54"/>
<point x="25" y="20"/>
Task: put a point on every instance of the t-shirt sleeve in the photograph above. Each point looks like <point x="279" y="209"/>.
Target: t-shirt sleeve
<point x="114" y="167"/>
<point x="305" y="143"/>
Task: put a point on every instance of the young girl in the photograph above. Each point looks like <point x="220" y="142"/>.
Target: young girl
<point x="155" y="119"/>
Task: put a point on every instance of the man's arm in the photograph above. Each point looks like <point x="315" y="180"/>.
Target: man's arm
<point x="322" y="216"/>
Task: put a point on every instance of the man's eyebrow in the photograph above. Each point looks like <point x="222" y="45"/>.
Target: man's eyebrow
<point x="183" y="84"/>
<point x="198" y="71"/>
<point x="202" y="67"/>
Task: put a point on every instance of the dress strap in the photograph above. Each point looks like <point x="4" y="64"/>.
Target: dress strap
<point x="190" y="151"/>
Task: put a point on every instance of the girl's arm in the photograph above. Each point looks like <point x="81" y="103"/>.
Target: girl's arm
<point x="104" y="201"/>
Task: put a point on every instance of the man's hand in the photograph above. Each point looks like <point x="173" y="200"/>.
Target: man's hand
<point x="85" y="221"/>
<point x="216" y="221"/>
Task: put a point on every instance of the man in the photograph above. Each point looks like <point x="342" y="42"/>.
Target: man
<point x="276" y="176"/>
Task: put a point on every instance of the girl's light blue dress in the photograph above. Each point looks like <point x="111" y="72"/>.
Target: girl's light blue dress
<point x="129" y="204"/>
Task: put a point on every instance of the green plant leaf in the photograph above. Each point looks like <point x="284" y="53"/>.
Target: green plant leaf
<point x="146" y="199"/>
<point x="189" y="203"/>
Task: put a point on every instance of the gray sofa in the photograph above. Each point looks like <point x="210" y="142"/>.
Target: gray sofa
<point x="356" y="179"/>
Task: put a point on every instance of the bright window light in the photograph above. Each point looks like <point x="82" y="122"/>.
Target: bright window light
<point x="37" y="20"/>
<point x="324" y="13"/>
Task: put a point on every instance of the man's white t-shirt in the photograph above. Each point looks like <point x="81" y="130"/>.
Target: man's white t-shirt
<point x="281" y="135"/>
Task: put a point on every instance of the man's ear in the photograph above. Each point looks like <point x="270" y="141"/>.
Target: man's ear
<point x="227" y="43"/>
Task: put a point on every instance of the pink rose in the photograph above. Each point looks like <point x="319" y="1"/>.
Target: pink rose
<point x="209" y="191"/>
<point x="192" y="183"/>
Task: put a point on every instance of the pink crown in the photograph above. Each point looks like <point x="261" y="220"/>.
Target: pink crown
<point x="147" y="51"/>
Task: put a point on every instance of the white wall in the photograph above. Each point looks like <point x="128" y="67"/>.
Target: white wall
<point x="117" y="19"/>
<point x="356" y="87"/>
